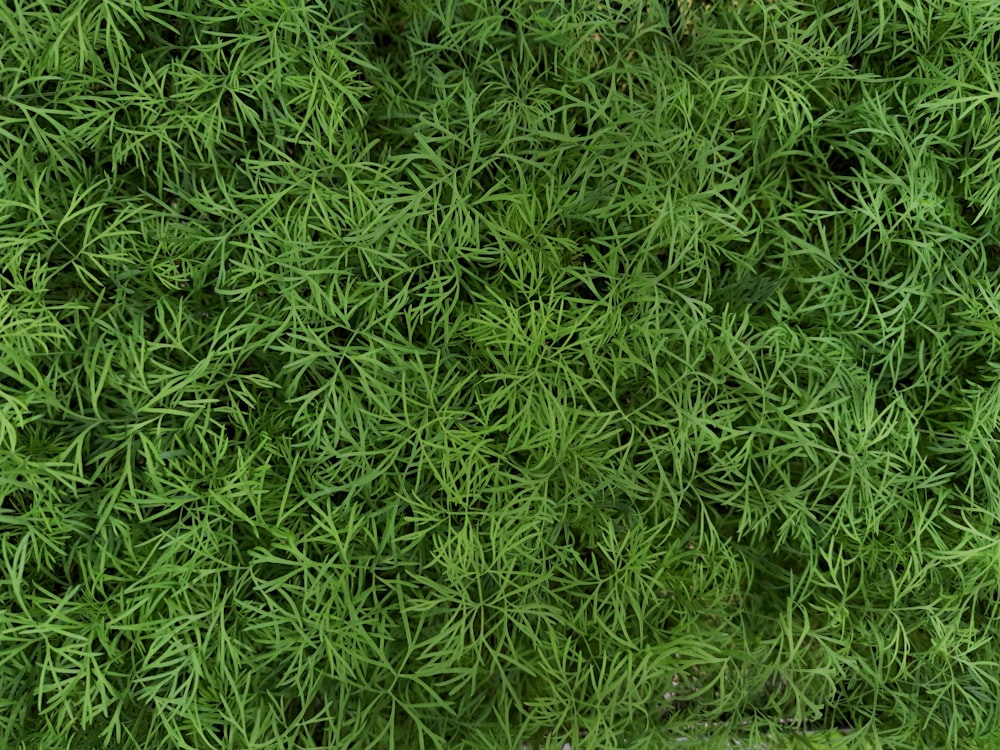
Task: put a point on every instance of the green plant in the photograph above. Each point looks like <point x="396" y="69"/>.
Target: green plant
<point x="470" y="374"/>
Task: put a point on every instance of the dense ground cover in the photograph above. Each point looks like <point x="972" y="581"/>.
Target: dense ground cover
<point x="436" y="373"/>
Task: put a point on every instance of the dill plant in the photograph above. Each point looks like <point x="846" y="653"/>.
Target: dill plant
<point x="438" y="374"/>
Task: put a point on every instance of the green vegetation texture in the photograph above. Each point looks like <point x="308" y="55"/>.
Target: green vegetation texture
<point x="498" y="373"/>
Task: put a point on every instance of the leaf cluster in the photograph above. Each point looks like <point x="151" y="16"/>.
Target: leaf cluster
<point x="477" y="373"/>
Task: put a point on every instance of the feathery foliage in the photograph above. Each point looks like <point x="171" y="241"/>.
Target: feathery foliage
<point x="479" y="373"/>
